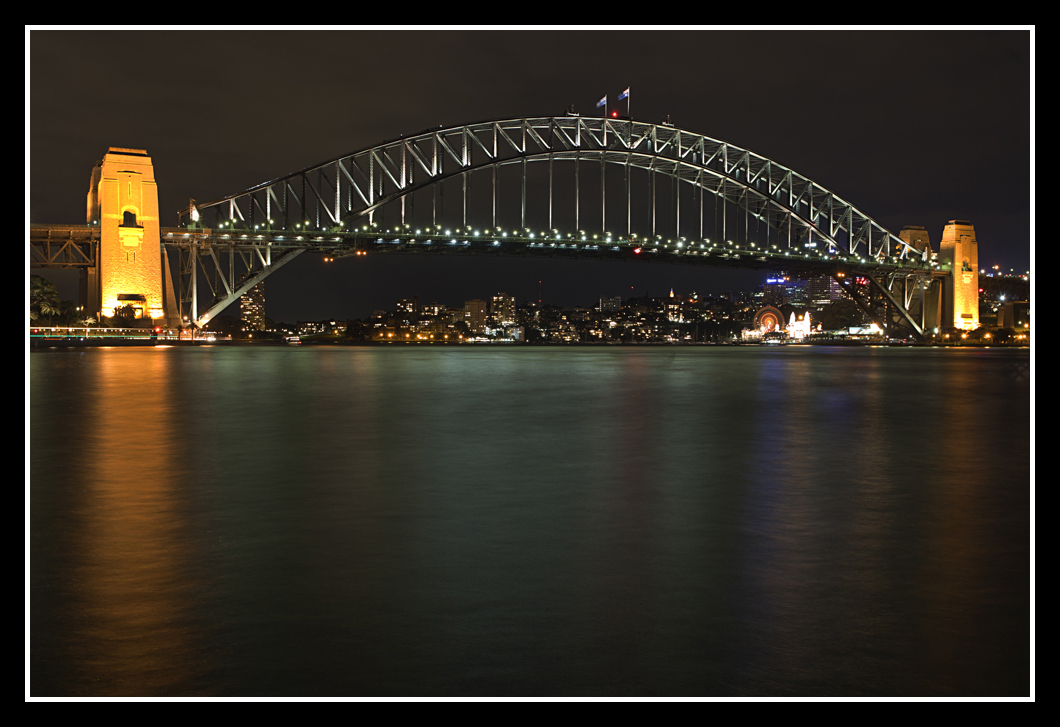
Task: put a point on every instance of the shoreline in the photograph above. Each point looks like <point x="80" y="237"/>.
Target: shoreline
<point x="37" y="344"/>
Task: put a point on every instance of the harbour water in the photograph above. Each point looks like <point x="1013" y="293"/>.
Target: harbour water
<point x="490" y="521"/>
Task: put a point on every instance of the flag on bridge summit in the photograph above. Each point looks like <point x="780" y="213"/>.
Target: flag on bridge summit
<point x="624" y="94"/>
<point x="601" y="102"/>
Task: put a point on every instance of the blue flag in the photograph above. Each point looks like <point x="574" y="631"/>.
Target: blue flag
<point x="624" y="94"/>
<point x="601" y="102"/>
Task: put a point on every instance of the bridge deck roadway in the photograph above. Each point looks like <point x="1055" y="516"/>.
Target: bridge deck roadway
<point x="73" y="246"/>
<point x="557" y="245"/>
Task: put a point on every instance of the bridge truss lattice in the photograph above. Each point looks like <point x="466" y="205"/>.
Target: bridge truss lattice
<point x="566" y="186"/>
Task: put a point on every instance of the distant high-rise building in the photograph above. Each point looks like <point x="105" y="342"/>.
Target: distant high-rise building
<point x="774" y="292"/>
<point x="475" y="315"/>
<point x="611" y="305"/>
<point x="502" y="308"/>
<point x="795" y="292"/>
<point x="822" y="290"/>
<point x="252" y="308"/>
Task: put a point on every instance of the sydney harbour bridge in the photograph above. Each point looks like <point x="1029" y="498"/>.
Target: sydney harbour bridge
<point x="609" y="189"/>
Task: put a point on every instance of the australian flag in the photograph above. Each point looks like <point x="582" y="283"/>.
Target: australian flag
<point x="601" y="102"/>
<point x="624" y="94"/>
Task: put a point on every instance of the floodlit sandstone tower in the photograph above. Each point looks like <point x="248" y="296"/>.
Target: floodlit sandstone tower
<point x="918" y="237"/>
<point x="959" y="254"/>
<point x="123" y="201"/>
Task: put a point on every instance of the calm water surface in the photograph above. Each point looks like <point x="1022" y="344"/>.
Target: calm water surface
<point x="529" y="521"/>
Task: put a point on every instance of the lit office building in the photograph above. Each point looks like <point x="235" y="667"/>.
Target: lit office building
<point x="795" y="291"/>
<point x="775" y="291"/>
<point x="822" y="290"/>
<point x="475" y="316"/>
<point x="252" y="308"/>
<point x="502" y="307"/>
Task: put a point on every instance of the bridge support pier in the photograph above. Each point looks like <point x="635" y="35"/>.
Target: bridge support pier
<point x="88" y="288"/>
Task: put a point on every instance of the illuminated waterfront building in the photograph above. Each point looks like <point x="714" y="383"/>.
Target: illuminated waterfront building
<point x="799" y="326"/>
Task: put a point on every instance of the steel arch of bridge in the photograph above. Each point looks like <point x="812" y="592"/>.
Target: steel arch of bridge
<point x="332" y="206"/>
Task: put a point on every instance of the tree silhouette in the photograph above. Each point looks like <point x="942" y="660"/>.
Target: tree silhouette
<point x="43" y="299"/>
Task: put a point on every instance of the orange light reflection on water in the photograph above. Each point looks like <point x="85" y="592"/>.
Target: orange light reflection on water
<point x="133" y="627"/>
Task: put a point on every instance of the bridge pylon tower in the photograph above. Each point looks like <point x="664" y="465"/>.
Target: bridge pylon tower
<point x="959" y="254"/>
<point x="130" y="262"/>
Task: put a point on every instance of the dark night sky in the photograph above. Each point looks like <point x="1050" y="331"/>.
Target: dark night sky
<point x="913" y="127"/>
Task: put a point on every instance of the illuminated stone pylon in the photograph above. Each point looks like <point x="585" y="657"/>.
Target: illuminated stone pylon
<point x="931" y="301"/>
<point x="959" y="254"/>
<point x="123" y="201"/>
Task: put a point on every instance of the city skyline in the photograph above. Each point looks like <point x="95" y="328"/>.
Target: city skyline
<point x="890" y="130"/>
